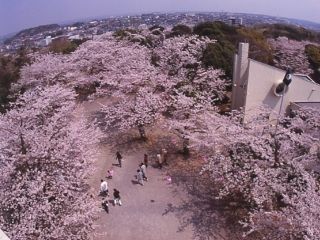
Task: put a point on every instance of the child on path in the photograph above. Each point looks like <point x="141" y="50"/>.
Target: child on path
<point x="110" y="173"/>
<point x="117" y="198"/>
<point x="168" y="179"/>
<point x="140" y="177"/>
<point x="119" y="158"/>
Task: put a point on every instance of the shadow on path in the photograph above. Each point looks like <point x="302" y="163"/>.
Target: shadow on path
<point x="200" y="210"/>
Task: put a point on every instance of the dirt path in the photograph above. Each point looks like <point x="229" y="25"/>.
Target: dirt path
<point x="143" y="213"/>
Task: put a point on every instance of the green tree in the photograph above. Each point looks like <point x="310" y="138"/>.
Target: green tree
<point x="9" y="73"/>
<point x="219" y="55"/>
<point x="313" y="54"/>
<point x="216" y="30"/>
<point x="63" y="46"/>
<point x="289" y="31"/>
<point x="260" y="49"/>
<point x="180" y="30"/>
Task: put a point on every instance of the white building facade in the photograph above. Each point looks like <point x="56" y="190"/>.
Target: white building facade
<point x="3" y="236"/>
<point x="254" y="85"/>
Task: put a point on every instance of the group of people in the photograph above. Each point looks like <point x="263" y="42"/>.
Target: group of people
<point x="104" y="189"/>
<point x="141" y="177"/>
<point x="142" y="170"/>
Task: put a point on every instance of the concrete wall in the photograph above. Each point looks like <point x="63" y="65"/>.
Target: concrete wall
<point x="3" y="236"/>
<point x="261" y="81"/>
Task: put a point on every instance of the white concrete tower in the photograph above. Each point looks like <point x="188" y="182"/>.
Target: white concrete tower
<point x="240" y="76"/>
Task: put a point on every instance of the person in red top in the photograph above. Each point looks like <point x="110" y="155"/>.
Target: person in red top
<point x="110" y="173"/>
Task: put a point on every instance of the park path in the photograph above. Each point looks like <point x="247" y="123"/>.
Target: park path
<point x="143" y="215"/>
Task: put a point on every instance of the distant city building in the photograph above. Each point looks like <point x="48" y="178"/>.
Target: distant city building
<point x="254" y="85"/>
<point x="95" y="27"/>
<point x="235" y="21"/>
<point x="74" y="37"/>
<point x="48" y="40"/>
<point x="41" y="43"/>
<point x="72" y="28"/>
<point x="143" y="27"/>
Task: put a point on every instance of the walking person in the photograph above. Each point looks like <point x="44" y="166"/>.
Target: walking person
<point x="146" y="159"/>
<point x="159" y="157"/>
<point x="105" y="204"/>
<point x="116" y="197"/>
<point x="104" y="188"/>
<point x="140" y="177"/>
<point x="164" y="154"/>
<point x="119" y="158"/>
<point x="143" y="169"/>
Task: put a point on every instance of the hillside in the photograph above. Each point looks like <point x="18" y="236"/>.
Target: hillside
<point x="163" y="89"/>
<point x="32" y="31"/>
<point x="278" y="45"/>
<point x="289" y="31"/>
<point x="267" y="45"/>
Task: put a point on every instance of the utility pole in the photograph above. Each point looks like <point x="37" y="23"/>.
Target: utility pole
<point x="281" y="90"/>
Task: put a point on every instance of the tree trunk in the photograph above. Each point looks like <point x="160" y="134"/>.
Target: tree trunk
<point x="142" y="132"/>
<point x="22" y="145"/>
<point x="185" y="147"/>
<point x="276" y="152"/>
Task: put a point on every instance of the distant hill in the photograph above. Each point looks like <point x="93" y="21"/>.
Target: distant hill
<point x="7" y="36"/>
<point x="33" y="31"/>
<point x="289" y="31"/>
<point x="78" y="24"/>
<point x="307" y="24"/>
<point x="36" y="30"/>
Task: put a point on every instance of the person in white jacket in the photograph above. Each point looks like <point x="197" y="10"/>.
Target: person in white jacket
<point x="159" y="157"/>
<point x="104" y="188"/>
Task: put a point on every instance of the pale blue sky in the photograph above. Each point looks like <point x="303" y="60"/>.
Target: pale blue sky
<point x="19" y="14"/>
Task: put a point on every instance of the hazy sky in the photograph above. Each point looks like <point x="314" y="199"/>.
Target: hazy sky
<point x="16" y="15"/>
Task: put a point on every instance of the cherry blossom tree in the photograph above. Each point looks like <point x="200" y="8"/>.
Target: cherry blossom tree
<point x="132" y="71"/>
<point x="45" y="145"/>
<point x="136" y="111"/>
<point x="291" y="53"/>
<point x="280" y="202"/>
<point x="45" y="158"/>
<point x="180" y="55"/>
<point x="45" y="150"/>
<point x="104" y="61"/>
